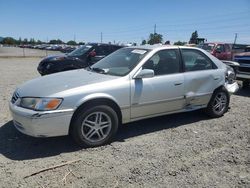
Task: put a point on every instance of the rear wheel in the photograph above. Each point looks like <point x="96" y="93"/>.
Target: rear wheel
<point x="218" y="103"/>
<point x="94" y="126"/>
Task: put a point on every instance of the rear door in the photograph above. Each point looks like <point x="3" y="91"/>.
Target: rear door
<point x="201" y="77"/>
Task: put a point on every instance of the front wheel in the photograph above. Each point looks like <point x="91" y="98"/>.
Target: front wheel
<point x="218" y="103"/>
<point x="94" y="126"/>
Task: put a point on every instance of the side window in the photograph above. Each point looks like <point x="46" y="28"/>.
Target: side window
<point x="195" y="60"/>
<point x="164" y="62"/>
<point x="220" y="48"/>
<point x="101" y="50"/>
<point x="227" y="48"/>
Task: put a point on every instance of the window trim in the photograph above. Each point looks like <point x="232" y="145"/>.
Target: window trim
<point x="199" y="52"/>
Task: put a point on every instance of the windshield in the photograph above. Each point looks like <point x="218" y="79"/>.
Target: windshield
<point x="80" y="51"/>
<point x="208" y="47"/>
<point x="119" y="63"/>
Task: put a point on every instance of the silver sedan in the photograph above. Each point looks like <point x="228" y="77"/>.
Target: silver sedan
<point x="130" y="84"/>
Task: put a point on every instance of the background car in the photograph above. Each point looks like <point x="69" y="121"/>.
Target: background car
<point x="79" y="58"/>
<point x="243" y="68"/>
<point x="222" y="51"/>
<point x="128" y="85"/>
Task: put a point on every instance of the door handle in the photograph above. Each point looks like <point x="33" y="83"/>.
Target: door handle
<point x="177" y="83"/>
<point x="216" y="78"/>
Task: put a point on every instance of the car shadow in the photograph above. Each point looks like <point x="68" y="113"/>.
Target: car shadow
<point x="17" y="146"/>
<point x="244" y="92"/>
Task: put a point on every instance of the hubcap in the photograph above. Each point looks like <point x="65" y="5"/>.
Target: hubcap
<point x="220" y="102"/>
<point x="96" y="126"/>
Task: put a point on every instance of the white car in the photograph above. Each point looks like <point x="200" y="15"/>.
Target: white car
<point x="130" y="84"/>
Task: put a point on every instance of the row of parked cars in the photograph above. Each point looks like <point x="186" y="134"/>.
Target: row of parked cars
<point x="238" y="58"/>
<point x="114" y="85"/>
<point x="55" y="47"/>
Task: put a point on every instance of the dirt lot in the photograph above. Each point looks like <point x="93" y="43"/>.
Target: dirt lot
<point x="182" y="150"/>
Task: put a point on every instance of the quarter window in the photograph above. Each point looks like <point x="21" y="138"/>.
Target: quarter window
<point x="195" y="60"/>
<point x="164" y="62"/>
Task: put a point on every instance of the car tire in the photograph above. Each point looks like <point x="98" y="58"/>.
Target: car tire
<point x="218" y="103"/>
<point x="245" y="84"/>
<point x="94" y="126"/>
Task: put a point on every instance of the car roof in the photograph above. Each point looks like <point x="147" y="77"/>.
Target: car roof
<point x="159" y="46"/>
<point x="103" y="44"/>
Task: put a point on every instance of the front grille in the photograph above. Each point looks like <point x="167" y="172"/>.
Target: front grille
<point x="243" y="61"/>
<point x="14" y="97"/>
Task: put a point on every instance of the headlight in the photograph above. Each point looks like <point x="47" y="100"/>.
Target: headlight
<point x="40" y="104"/>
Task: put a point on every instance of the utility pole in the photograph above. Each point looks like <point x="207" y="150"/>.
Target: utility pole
<point x="46" y="49"/>
<point x="235" y="38"/>
<point x="155" y="29"/>
<point x="101" y="37"/>
<point x="74" y="37"/>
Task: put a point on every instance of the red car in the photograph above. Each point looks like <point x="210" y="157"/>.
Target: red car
<point x="222" y="51"/>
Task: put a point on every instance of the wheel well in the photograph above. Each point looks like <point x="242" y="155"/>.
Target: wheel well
<point x="95" y="102"/>
<point x="223" y="88"/>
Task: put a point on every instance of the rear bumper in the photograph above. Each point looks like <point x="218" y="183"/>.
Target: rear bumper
<point x="232" y="88"/>
<point x="41" y="124"/>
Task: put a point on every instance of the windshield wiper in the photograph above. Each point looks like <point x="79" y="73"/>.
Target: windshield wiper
<point x="98" y="70"/>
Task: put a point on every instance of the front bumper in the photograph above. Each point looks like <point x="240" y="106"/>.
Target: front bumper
<point x="41" y="123"/>
<point x="232" y="88"/>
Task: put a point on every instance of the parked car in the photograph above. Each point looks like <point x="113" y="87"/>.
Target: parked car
<point x="130" y="84"/>
<point x="222" y="51"/>
<point x="67" y="49"/>
<point x="243" y="68"/>
<point x="79" y="58"/>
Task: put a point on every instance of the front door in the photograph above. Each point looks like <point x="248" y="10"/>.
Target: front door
<point x="162" y="93"/>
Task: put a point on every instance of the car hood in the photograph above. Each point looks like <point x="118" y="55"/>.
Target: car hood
<point x="59" y="58"/>
<point x="49" y="85"/>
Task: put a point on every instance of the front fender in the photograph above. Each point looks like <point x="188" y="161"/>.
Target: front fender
<point x="95" y="96"/>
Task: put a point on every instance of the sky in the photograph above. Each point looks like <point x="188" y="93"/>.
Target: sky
<point x="125" y="21"/>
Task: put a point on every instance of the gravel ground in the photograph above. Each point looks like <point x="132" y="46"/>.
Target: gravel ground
<point x="181" y="150"/>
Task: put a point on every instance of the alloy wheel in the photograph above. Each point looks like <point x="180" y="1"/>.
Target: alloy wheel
<point x="96" y="126"/>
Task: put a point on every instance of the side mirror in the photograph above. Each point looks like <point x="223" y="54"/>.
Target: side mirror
<point x="145" y="73"/>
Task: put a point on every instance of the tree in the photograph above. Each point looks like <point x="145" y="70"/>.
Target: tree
<point x="38" y="42"/>
<point x="143" y="42"/>
<point x="9" y="41"/>
<point x="179" y="43"/>
<point x="32" y="41"/>
<point x="71" y="42"/>
<point x="25" y="41"/>
<point x="193" y="39"/>
<point x="54" y="41"/>
<point x="155" y="38"/>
